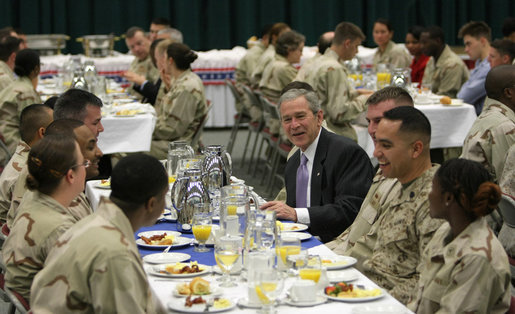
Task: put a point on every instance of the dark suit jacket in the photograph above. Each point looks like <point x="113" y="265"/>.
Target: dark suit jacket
<point x="149" y="91"/>
<point x="341" y="176"/>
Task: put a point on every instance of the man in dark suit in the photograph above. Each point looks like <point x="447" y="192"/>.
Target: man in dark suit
<point x="326" y="189"/>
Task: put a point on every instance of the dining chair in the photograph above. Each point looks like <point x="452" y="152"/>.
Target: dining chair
<point x="19" y="302"/>
<point x="200" y="128"/>
<point x="254" y="127"/>
<point x="242" y="116"/>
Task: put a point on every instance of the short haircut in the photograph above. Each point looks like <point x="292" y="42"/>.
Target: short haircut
<point x="136" y="178"/>
<point x="413" y="121"/>
<point x="173" y="33"/>
<point x="310" y="96"/>
<point x="265" y="30"/>
<point x="131" y="32"/>
<point x="508" y="27"/>
<point x="470" y="184"/>
<point x="63" y="126"/>
<point x="504" y="47"/>
<point x="476" y="30"/>
<point x="385" y="22"/>
<point x="73" y="104"/>
<point x="288" y="41"/>
<point x="182" y="55"/>
<point x="323" y="43"/>
<point x="435" y="32"/>
<point x="278" y="28"/>
<point x="498" y="79"/>
<point x="347" y="30"/>
<point x="50" y="102"/>
<point x="27" y="60"/>
<point x="6" y="31"/>
<point x="416" y="30"/>
<point x="8" y="46"/>
<point x="398" y="94"/>
<point x="297" y="85"/>
<point x="49" y="160"/>
<point x="32" y="118"/>
<point x="161" y="21"/>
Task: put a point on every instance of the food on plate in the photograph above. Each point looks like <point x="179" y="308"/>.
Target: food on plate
<point x="445" y="100"/>
<point x="182" y="268"/>
<point x="221" y="303"/>
<point x="128" y="112"/>
<point x="344" y="290"/>
<point x="327" y="262"/>
<point x="105" y="182"/>
<point x="159" y="239"/>
<point x="197" y="286"/>
<point x="286" y="227"/>
<point x="189" y="301"/>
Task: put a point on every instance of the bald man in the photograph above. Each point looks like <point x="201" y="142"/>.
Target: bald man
<point x="308" y="67"/>
<point x="493" y="132"/>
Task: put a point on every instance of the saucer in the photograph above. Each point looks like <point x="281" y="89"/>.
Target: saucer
<point x="244" y="302"/>
<point x="319" y="300"/>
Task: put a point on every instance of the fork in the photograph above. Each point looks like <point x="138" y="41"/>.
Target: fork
<point x="168" y="248"/>
<point x="209" y="303"/>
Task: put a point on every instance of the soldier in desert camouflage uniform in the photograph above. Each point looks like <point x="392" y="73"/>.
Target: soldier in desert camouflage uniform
<point x="33" y="121"/>
<point x="57" y="176"/>
<point x="248" y="63"/>
<point x="464" y="268"/>
<point x="341" y="103"/>
<point x="96" y="266"/>
<point x="309" y="66"/>
<point x="387" y="51"/>
<point x="445" y="71"/>
<point x="9" y="46"/>
<point x="493" y="132"/>
<point x="19" y="95"/>
<point x="142" y="65"/>
<point x="181" y="110"/>
<point x="404" y="227"/>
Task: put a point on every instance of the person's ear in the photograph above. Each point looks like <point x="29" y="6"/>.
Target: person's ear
<point x="70" y="176"/>
<point x="418" y="148"/>
<point x="41" y="132"/>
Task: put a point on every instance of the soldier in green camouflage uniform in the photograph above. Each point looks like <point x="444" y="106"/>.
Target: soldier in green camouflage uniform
<point x="493" y="132"/>
<point x="179" y="113"/>
<point x="464" y="268"/>
<point x="448" y="72"/>
<point x="96" y="266"/>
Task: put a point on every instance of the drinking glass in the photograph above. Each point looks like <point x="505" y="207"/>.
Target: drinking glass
<point x="287" y="246"/>
<point x="297" y="262"/>
<point x="227" y="252"/>
<point x="312" y="269"/>
<point x="201" y="226"/>
<point x="268" y="287"/>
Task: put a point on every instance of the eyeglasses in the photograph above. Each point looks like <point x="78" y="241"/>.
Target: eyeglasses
<point x="86" y="164"/>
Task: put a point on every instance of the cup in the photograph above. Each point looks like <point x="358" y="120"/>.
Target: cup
<point x="303" y="291"/>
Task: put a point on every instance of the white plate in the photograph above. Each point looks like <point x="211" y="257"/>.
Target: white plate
<point x="179" y="242"/>
<point x="338" y="262"/>
<point x="104" y="187"/>
<point x="244" y="302"/>
<point x="354" y="300"/>
<point x="178" y="305"/>
<point x="148" y="234"/>
<point x="166" y="258"/>
<point x="156" y="271"/>
<point x="123" y="115"/>
<point x="384" y="309"/>
<point x="291" y="226"/>
<point x="234" y="271"/>
<point x="342" y="275"/>
<point x="319" y="300"/>
<point x="215" y="292"/>
<point x="299" y="235"/>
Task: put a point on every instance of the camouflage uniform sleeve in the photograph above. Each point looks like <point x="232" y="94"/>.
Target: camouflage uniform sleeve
<point x="343" y="103"/>
<point x="286" y="75"/>
<point x="452" y="77"/>
<point x="179" y="113"/>
<point x="400" y="58"/>
<point x="425" y="226"/>
<point x="9" y="127"/>
<point x="473" y="287"/>
<point x="503" y="139"/>
<point x="112" y="291"/>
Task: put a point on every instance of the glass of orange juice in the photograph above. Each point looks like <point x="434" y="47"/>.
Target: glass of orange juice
<point x="201" y="227"/>
<point x="227" y="253"/>
<point x="286" y="246"/>
<point x="268" y="287"/>
<point x="312" y="269"/>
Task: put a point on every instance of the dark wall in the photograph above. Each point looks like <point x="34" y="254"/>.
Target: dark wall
<point x="209" y="24"/>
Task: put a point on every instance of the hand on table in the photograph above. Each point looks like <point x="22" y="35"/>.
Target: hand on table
<point x="282" y="210"/>
<point x="134" y="77"/>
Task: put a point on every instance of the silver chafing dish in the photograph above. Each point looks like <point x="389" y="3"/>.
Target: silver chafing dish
<point x="47" y="44"/>
<point x="98" y="45"/>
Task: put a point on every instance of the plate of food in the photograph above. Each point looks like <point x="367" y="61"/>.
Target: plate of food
<point x="197" y="286"/>
<point x="104" y="184"/>
<point x="338" y="262"/>
<point x="166" y="258"/>
<point x="179" y="270"/>
<point x="164" y="242"/>
<point x="291" y="226"/>
<point x="200" y="304"/>
<point x="346" y="292"/>
<point x="299" y="235"/>
<point x="345" y="275"/>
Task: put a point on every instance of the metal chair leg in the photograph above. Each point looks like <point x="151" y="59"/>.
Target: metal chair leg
<point x="253" y="151"/>
<point x="258" y="156"/>
<point x="245" y="150"/>
<point x="234" y="133"/>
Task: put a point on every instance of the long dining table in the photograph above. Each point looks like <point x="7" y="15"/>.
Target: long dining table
<point x="164" y="287"/>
